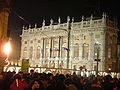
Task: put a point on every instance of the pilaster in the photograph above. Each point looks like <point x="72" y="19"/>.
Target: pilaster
<point x="81" y="46"/>
<point x="91" y="47"/>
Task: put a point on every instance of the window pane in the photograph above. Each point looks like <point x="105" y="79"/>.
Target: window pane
<point x="31" y="52"/>
<point x="76" y="50"/>
<point x="85" y="50"/>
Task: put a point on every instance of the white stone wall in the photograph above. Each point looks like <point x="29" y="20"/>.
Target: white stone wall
<point x="94" y="29"/>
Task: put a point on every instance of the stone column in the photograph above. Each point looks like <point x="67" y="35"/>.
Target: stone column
<point x="71" y="50"/>
<point x="91" y="51"/>
<point x="71" y="47"/>
<point x="43" y="48"/>
<point x="102" y="51"/>
<point x="34" y="49"/>
<point x="91" y="46"/>
<point x="81" y="46"/>
<point x="51" y="43"/>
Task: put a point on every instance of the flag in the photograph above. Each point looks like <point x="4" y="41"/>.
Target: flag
<point x="65" y="48"/>
<point x="56" y="50"/>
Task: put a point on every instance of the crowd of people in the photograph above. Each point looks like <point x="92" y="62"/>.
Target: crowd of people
<point x="48" y="81"/>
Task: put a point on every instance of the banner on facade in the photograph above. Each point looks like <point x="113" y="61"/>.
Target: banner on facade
<point x="25" y="65"/>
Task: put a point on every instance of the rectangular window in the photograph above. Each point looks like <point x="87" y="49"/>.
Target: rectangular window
<point x="95" y="67"/>
<point x="25" y="42"/>
<point x="64" y="47"/>
<point x="97" y="36"/>
<point x="55" y="47"/>
<point x="47" y="47"/>
<point x="76" y="50"/>
<point x="85" y="51"/>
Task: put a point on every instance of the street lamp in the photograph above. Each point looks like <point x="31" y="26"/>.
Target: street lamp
<point x="68" y="38"/>
<point x="7" y="49"/>
<point x="97" y="44"/>
<point x="68" y="50"/>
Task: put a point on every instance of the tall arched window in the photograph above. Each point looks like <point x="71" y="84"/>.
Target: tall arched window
<point x="25" y="52"/>
<point x="64" y="47"/>
<point x="97" y="51"/>
<point x="38" y="52"/>
<point x="55" y="47"/>
<point x="85" y="50"/>
<point x="76" y="50"/>
<point x="47" y="47"/>
<point x="31" y="52"/>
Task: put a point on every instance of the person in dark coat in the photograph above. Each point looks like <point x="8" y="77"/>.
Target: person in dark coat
<point x="60" y="82"/>
<point x="18" y="84"/>
<point x="35" y="84"/>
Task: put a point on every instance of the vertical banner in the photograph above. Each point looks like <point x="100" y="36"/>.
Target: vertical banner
<point x="25" y="65"/>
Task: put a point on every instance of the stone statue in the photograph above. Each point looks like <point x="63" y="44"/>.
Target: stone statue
<point x="68" y="19"/>
<point x="29" y="26"/>
<point x="82" y="18"/>
<point x="72" y="19"/>
<point x="51" y="21"/>
<point x="35" y="25"/>
<point x="59" y="21"/>
<point x="23" y="27"/>
<point x="43" y="23"/>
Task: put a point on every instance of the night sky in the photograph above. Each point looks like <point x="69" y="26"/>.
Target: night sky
<point x="34" y="11"/>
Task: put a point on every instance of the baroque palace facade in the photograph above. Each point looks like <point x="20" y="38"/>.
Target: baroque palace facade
<point x="71" y="45"/>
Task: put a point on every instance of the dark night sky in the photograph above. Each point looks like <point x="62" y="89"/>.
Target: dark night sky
<point x="34" y="11"/>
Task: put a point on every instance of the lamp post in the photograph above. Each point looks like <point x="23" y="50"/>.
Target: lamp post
<point x="7" y="49"/>
<point x="68" y="30"/>
<point x="68" y="50"/>
<point x="68" y="44"/>
<point x="97" y="54"/>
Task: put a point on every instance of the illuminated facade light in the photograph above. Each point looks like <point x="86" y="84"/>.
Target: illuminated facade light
<point x="7" y="48"/>
<point x="86" y="41"/>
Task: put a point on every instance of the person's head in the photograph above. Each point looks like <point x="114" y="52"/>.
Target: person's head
<point x="36" y="84"/>
<point x="61" y="77"/>
<point x="20" y="73"/>
<point x="68" y="82"/>
<point x="17" y="76"/>
<point x="50" y="76"/>
<point x="31" y="71"/>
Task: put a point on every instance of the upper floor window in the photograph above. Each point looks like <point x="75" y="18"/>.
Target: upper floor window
<point x="76" y="50"/>
<point x="38" y="41"/>
<point x="97" y="36"/>
<point x="38" y="51"/>
<point x="85" y="50"/>
<point x="76" y="38"/>
<point x="47" y="47"/>
<point x="86" y="37"/>
<point x="25" y="42"/>
<point x="31" y="41"/>
<point x="25" y="52"/>
<point x="31" y="52"/>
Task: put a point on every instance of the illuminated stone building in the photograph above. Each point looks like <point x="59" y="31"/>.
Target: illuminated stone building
<point x="72" y="44"/>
